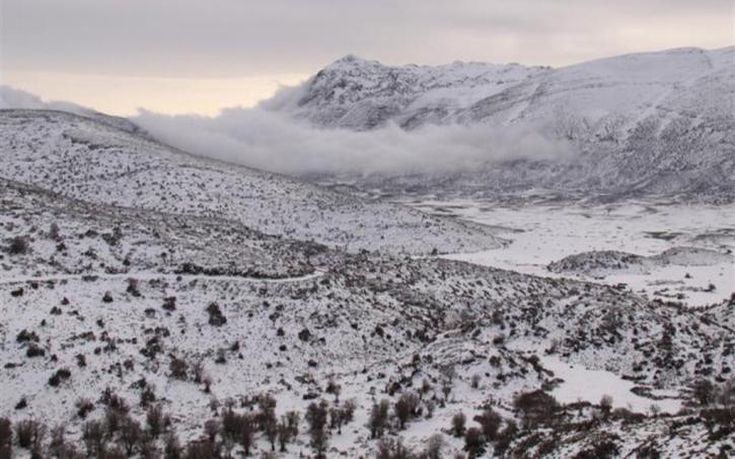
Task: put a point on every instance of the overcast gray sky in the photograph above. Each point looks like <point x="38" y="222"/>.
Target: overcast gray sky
<point x="197" y="56"/>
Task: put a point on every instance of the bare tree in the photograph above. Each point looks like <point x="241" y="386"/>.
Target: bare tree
<point x="316" y="416"/>
<point x="458" y="424"/>
<point x="378" y="418"/>
<point x="406" y="408"/>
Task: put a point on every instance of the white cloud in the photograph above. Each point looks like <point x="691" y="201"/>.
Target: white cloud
<point x="15" y="98"/>
<point x="273" y="141"/>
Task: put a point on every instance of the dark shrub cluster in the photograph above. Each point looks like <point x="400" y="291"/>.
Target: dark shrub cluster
<point x="59" y="376"/>
<point x="216" y="318"/>
<point x="18" y="245"/>
<point x="536" y="408"/>
<point x="6" y="438"/>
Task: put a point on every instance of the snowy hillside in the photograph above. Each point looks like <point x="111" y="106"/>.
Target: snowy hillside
<point x="157" y="304"/>
<point x="84" y="159"/>
<point x="649" y="123"/>
<point x="601" y="263"/>
<point x="87" y="338"/>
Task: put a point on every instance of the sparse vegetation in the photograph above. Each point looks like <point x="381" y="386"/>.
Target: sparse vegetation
<point x="18" y="245"/>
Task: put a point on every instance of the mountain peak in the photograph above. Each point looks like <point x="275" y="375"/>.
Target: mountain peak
<point x="350" y="59"/>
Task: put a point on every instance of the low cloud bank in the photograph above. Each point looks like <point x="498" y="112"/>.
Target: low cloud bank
<point x="16" y="98"/>
<point x="267" y="139"/>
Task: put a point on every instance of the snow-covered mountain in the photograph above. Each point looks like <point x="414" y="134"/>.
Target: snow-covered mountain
<point x="361" y="94"/>
<point x="649" y="123"/>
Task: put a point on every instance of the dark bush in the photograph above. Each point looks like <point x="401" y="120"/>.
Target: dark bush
<point x="201" y="449"/>
<point x="458" y="424"/>
<point x="26" y="336"/>
<point x="720" y="422"/>
<point x="505" y="438"/>
<point x="130" y="434"/>
<point x="169" y="303"/>
<point x="304" y="335"/>
<point x="246" y="437"/>
<point x="22" y="403"/>
<point x="603" y="449"/>
<point x="288" y="429"/>
<point x="113" y="401"/>
<point x="147" y="395"/>
<point x="34" y="350"/>
<point x="29" y="432"/>
<point x="178" y="368"/>
<point x="490" y="422"/>
<point x="62" y="374"/>
<point x="378" y="420"/>
<point x="216" y="318"/>
<point x="390" y="448"/>
<point x="474" y="442"/>
<point x="6" y="433"/>
<point x="19" y="245"/>
<point x="627" y="416"/>
<point x="172" y="447"/>
<point x="84" y="407"/>
<point x="703" y="392"/>
<point x="536" y="407"/>
<point x="316" y="416"/>
<point x="133" y="287"/>
<point x="155" y="421"/>
<point x="648" y="452"/>
<point x="114" y="420"/>
<point x="406" y="408"/>
<point x="434" y="446"/>
<point x="212" y="428"/>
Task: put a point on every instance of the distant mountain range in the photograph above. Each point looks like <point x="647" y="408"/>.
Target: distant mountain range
<point x="659" y="123"/>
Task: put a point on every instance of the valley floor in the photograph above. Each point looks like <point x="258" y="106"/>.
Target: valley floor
<point x="542" y="234"/>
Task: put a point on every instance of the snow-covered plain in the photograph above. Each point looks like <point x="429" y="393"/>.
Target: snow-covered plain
<point x="583" y="384"/>
<point x="540" y="235"/>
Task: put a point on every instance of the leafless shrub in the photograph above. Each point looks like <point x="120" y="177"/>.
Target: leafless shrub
<point x="18" y="245"/>
<point x="458" y="424"/>
<point x="29" y="433"/>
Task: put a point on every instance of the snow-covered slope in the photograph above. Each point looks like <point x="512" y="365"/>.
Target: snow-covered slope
<point x="134" y="277"/>
<point x="89" y="160"/>
<point x="649" y="123"/>
<point x="65" y="238"/>
<point x="601" y="263"/>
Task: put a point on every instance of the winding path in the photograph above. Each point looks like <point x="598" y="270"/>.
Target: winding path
<point x="151" y="275"/>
